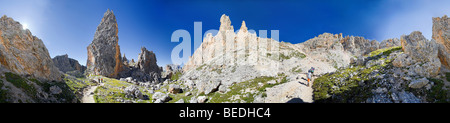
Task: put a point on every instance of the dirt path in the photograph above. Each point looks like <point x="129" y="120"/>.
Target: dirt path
<point x="88" y="94"/>
<point x="294" y="91"/>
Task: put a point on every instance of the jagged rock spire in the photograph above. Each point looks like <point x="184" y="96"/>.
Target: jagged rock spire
<point x="225" y="23"/>
<point x="104" y="57"/>
<point x="243" y="27"/>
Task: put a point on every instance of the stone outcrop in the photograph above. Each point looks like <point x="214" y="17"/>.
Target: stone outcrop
<point x="171" y="69"/>
<point x="23" y="53"/>
<point x="133" y="92"/>
<point x="390" y="43"/>
<point x="66" y="64"/>
<point x="147" y="62"/>
<point x="104" y="57"/>
<point x="441" y="33"/>
<point x="146" y="68"/>
<point x="359" y="46"/>
<point x="420" y="55"/>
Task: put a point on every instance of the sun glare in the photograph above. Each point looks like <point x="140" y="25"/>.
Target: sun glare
<point x="25" y="26"/>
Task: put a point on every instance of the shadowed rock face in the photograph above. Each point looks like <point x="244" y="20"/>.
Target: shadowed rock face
<point x="104" y="57"/>
<point x="23" y="53"/>
<point x="441" y="33"/>
<point x="65" y="64"/>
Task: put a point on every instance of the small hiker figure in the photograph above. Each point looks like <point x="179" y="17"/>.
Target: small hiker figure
<point x="101" y="80"/>
<point x="310" y="72"/>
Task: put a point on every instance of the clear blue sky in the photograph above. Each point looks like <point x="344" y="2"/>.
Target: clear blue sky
<point x="68" y="26"/>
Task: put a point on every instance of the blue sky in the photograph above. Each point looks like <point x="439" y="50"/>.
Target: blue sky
<point x="68" y="26"/>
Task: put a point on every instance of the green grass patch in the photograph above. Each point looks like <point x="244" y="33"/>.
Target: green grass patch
<point x="291" y="55"/>
<point x="240" y="88"/>
<point x="113" y="90"/>
<point x="345" y="91"/>
<point x="20" y="82"/>
<point x="296" y="69"/>
<point x="437" y="93"/>
<point x="3" y="95"/>
<point x="385" y="51"/>
<point x="176" y="76"/>
<point x="201" y="67"/>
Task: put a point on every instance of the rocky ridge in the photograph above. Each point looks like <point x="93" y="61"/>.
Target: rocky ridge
<point x="229" y="68"/>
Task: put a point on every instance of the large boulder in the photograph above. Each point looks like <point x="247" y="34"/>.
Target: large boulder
<point x="160" y="97"/>
<point x="419" y="83"/>
<point x="133" y="92"/>
<point x="174" y="89"/>
<point x="208" y="86"/>
<point x="23" y="53"/>
<point x="441" y="33"/>
<point x="104" y="57"/>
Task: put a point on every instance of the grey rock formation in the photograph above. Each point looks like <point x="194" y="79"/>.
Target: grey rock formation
<point x="146" y="68"/>
<point x="208" y="87"/>
<point x="66" y="64"/>
<point x="162" y="97"/>
<point x="104" y="57"/>
<point x="23" y="53"/>
<point x="420" y="53"/>
<point x="419" y="83"/>
<point x="147" y="62"/>
<point x="359" y="46"/>
<point x="202" y="99"/>
<point x="55" y="90"/>
<point x="133" y="92"/>
<point x="174" y="89"/>
<point x="390" y="43"/>
<point x="441" y="33"/>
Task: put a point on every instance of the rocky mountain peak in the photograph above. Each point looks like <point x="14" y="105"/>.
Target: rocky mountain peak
<point x="104" y="57"/>
<point x="243" y="27"/>
<point x="225" y="23"/>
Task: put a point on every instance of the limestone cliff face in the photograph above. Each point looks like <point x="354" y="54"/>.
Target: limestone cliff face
<point x="230" y="48"/>
<point x="233" y="56"/>
<point x="66" y="64"/>
<point x="23" y="53"/>
<point x="421" y="55"/>
<point x="104" y="57"/>
<point x="357" y="46"/>
<point x="441" y="33"/>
